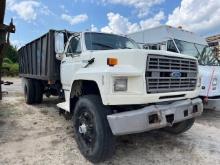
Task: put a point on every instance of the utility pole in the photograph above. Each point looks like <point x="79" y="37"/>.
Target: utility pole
<point x="5" y="31"/>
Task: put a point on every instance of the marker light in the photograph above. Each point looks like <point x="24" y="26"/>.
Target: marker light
<point x="112" y="61"/>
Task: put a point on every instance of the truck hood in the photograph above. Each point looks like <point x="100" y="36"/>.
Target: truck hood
<point x="208" y="73"/>
<point x="132" y="60"/>
<point x="131" y="57"/>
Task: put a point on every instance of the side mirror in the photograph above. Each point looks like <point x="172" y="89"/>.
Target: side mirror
<point x="59" y="42"/>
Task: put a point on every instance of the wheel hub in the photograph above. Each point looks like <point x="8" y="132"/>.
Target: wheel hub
<point x="86" y="129"/>
<point x="83" y="128"/>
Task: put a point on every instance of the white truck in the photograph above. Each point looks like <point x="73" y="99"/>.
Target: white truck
<point x="110" y="86"/>
<point x="181" y="41"/>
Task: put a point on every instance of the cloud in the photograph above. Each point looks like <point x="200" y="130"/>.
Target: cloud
<point x="152" y="22"/>
<point x="121" y="25"/>
<point x="142" y="6"/>
<point x="27" y="10"/>
<point x="196" y="15"/>
<point x="73" y="20"/>
<point x="64" y="8"/>
<point x="45" y="10"/>
<point x="9" y="3"/>
<point x="94" y="28"/>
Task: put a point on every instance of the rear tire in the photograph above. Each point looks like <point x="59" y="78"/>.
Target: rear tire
<point x="38" y="91"/>
<point x="92" y="132"/>
<point x="180" y="127"/>
<point x="29" y="91"/>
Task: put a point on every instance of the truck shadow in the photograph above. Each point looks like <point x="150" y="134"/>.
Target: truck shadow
<point x="149" y="146"/>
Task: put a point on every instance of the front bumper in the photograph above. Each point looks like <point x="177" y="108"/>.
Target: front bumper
<point x="154" y="116"/>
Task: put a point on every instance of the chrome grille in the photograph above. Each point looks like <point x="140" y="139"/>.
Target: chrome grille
<point x="170" y="74"/>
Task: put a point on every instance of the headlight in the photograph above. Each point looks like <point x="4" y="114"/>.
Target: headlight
<point x="214" y="81"/>
<point x="120" y="84"/>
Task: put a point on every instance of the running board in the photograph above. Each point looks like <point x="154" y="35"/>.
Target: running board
<point x="64" y="105"/>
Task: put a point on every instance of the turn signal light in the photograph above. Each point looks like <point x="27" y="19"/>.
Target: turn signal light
<point x="112" y="61"/>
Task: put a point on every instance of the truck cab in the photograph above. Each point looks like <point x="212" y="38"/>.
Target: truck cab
<point x="181" y="41"/>
<point x="87" y="57"/>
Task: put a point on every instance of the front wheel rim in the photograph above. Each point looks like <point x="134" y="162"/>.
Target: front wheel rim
<point x="86" y="130"/>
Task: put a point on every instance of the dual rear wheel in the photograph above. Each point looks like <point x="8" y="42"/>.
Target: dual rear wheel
<point x="33" y="91"/>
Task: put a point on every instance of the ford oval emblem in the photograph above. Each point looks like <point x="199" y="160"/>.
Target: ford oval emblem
<point x="176" y="74"/>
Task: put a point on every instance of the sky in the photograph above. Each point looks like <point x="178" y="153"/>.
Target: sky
<point x="33" y="18"/>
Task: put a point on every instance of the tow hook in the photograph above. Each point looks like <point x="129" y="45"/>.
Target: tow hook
<point x="170" y="119"/>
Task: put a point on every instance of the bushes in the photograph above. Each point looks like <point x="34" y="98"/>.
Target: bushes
<point x="7" y="60"/>
<point x="14" y="70"/>
<point x="10" y="68"/>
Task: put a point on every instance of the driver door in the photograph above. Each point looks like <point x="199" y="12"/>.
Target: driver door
<point x="71" y="61"/>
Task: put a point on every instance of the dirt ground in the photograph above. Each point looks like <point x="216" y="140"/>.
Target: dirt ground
<point x="38" y="135"/>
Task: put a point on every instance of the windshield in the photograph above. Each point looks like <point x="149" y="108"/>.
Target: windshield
<point x="101" y="41"/>
<point x="203" y="53"/>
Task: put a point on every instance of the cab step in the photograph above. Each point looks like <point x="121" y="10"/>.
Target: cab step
<point x="64" y="105"/>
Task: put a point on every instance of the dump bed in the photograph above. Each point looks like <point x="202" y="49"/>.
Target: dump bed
<point x="37" y="59"/>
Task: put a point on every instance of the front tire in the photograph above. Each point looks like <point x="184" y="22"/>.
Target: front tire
<point x="180" y="127"/>
<point x="92" y="132"/>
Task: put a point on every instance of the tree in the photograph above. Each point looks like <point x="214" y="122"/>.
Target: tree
<point x="12" y="54"/>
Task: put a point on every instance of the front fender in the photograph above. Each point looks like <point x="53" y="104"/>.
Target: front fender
<point x="102" y="76"/>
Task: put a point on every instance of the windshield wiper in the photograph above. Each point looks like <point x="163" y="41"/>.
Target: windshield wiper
<point x="89" y="62"/>
<point x="103" y="45"/>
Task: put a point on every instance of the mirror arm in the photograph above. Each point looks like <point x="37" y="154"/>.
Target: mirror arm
<point x="59" y="56"/>
<point x="73" y="54"/>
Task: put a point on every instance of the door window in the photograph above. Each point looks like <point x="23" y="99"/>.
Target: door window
<point x="74" y="46"/>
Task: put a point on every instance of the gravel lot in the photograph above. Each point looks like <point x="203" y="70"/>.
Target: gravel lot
<point x="38" y="135"/>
